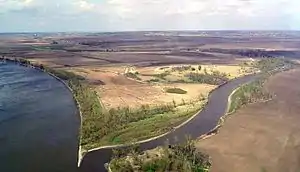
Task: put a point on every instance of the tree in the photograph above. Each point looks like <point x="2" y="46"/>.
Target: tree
<point x="199" y="67"/>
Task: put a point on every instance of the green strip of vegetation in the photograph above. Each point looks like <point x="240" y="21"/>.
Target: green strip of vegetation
<point x="181" y="158"/>
<point x="254" y="91"/>
<point x="176" y="91"/>
<point x="248" y="93"/>
<point x="214" y="78"/>
<point x="152" y="126"/>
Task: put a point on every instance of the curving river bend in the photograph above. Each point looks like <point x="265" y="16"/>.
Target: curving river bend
<point x="203" y="123"/>
<point x="39" y="124"/>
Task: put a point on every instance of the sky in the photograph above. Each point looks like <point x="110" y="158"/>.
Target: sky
<point x="141" y="15"/>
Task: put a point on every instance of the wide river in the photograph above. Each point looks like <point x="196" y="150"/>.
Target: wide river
<point x="39" y="122"/>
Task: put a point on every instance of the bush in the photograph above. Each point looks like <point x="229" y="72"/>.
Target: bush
<point x="176" y="91"/>
<point x="153" y="80"/>
<point x="215" y="78"/>
<point x="133" y="76"/>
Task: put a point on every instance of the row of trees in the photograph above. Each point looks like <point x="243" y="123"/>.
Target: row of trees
<point x="248" y="93"/>
<point x="214" y="78"/>
<point x="241" y="52"/>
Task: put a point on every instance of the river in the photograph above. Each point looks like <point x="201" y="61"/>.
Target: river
<point x="39" y="122"/>
<point x="202" y="124"/>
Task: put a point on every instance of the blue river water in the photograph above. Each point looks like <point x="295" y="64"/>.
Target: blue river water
<point x="39" y="122"/>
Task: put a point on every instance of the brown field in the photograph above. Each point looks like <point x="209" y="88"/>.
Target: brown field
<point x="142" y="94"/>
<point x="261" y="137"/>
<point x="120" y="91"/>
<point x="116" y="90"/>
<point x="103" y="57"/>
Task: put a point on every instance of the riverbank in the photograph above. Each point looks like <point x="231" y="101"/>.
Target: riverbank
<point x="69" y="83"/>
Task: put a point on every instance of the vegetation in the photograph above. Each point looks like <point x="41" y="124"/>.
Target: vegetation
<point x="159" y="76"/>
<point x="254" y="91"/>
<point x="214" y="78"/>
<point x="176" y="91"/>
<point x="272" y="65"/>
<point x="133" y="76"/>
<point x="153" y="80"/>
<point x="182" y="68"/>
<point x="181" y="158"/>
<point x="255" y="53"/>
<point x="248" y="93"/>
<point x="63" y="74"/>
<point x="101" y="127"/>
<point x="125" y="125"/>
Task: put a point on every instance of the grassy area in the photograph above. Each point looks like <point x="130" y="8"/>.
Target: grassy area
<point x="176" y="91"/>
<point x="180" y="158"/>
<point x="147" y="126"/>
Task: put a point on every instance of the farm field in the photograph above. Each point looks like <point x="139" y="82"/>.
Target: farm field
<point x="261" y="136"/>
<point x="166" y="75"/>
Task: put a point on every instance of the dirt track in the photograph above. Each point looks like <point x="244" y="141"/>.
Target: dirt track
<point x="261" y="137"/>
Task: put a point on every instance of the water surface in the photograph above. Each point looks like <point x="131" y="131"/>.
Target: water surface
<point x="38" y="122"/>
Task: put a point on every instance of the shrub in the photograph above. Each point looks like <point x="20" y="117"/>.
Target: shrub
<point x="181" y="158"/>
<point x="248" y="93"/>
<point x="133" y="76"/>
<point x="215" y="78"/>
<point x="176" y="91"/>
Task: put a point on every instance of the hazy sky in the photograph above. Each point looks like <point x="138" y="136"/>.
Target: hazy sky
<point x="131" y="15"/>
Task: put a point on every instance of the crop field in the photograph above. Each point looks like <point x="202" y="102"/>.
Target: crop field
<point x="261" y="136"/>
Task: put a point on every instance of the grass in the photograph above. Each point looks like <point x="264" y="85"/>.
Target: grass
<point x="149" y="127"/>
<point x="176" y="91"/>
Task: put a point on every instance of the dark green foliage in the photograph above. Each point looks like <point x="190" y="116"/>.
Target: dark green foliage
<point x="180" y="158"/>
<point x="133" y="76"/>
<point x="153" y="80"/>
<point x="215" y="78"/>
<point x="176" y="91"/>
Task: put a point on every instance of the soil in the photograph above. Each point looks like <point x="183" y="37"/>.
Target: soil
<point x="262" y="137"/>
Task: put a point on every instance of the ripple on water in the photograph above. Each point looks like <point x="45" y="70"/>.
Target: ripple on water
<point x="38" y="122"/>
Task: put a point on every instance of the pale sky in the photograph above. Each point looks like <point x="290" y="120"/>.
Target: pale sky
<point x="136" y="15"/>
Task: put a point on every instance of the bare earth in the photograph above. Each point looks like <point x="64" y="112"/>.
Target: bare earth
<point x="261" y="137"/>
